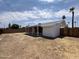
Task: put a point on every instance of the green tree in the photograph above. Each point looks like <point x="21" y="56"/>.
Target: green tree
<point x="15" y="26"/>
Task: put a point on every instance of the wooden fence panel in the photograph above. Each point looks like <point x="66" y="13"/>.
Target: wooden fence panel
<point x="69" y="32"/>
<point x="14" y="30"/>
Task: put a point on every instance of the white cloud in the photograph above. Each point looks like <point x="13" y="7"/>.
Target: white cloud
<point x="62" y="12"/>
<point x="43" y="13"/>
<point x="50" y="1"/>
<point x="76" y="12"/>
<point x="26" y="15"/>
<point x="35" y="14"/>
<point x="66" y="13"/>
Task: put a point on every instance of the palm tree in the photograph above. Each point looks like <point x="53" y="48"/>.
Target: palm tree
<point x="72" y="10"/>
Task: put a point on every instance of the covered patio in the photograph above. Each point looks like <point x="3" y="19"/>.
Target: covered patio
<point x="34" y="30"/>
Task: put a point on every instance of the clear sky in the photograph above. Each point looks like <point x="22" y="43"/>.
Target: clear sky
<point x="26" y="12"/>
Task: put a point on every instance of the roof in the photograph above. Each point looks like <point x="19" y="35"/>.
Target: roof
<point x="62" y="22"/>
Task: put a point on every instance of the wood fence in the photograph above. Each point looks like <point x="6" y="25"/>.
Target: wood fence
<point x="63" y="31"/>
<point x="13" y="30"/>
<point x="69" y="32"/>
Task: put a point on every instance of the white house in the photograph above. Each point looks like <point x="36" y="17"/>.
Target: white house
<point x="50" y="29"/>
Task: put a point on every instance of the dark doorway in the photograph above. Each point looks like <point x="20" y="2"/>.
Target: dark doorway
<point x="40" y="30"/>
<point x="35" y="30"/>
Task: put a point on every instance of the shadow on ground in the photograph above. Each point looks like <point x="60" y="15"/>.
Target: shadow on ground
<point x="46" y="37"/>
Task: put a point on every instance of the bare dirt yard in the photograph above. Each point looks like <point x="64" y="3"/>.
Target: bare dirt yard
<point x="20" y="46"/>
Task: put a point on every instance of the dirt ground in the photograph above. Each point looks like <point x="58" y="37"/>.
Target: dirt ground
<point x="20" y="46"/>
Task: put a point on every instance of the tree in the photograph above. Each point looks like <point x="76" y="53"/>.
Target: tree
<point x="72" y="10"/>
<point x="15" y="26"/>
<point x="63" y="17"/>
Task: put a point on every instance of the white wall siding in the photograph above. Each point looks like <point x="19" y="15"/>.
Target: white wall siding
<point x="52" y="31"/>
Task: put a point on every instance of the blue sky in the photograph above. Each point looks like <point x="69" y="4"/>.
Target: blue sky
<point x="26" y="12"/>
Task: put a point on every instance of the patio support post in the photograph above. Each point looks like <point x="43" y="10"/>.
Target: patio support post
<point x="27" y="30"/>
<point x="32" y="30"/>
<point x="37" y="30"/>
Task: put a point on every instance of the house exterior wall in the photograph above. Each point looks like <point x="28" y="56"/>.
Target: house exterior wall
<point x="51" y="31"/>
